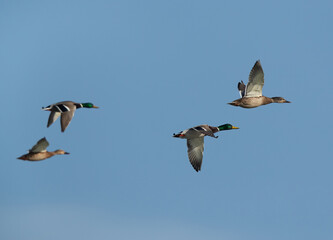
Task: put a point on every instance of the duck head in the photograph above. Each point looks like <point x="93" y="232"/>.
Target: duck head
<point x="60" y="152"/>
<point x="280" y="100"/>
<point x="88" y="105"/>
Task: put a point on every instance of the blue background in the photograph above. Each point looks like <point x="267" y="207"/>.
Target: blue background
<point x="155" y="68"/>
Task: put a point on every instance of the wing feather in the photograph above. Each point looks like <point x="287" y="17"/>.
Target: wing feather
<point x="195" y="152"/>
<point x="66" y="118"/>
<point x="241" y="88"/>
<point x="256" y="81"/>
<point x="53" y="116"/>
<point x="40" y="146"/>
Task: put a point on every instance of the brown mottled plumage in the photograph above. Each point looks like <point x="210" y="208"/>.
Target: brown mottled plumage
<point x="38" y="152"/>
<point x="251" y="95"/>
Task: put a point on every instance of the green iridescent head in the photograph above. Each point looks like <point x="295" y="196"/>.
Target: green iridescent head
<point x="88" y="105"/>
<point x="226" y="127"/>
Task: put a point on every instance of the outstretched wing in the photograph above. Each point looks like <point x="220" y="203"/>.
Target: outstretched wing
<point x="66" y="118"/>
<point x="53" y="116"/>
<point x="241" y="88"/>
<point x="256" y="81"/>
<point x="40" y="146"/>
<point x="195" y="152"/>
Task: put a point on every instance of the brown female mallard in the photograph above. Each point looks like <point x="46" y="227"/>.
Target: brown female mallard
<point x="251" y="94"/>
<point x="38" y="152"/>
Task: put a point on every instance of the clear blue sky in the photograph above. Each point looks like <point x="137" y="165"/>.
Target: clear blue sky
<point x="155" y="68"/>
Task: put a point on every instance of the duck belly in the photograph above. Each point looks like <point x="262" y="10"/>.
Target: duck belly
<point x="38" y="157"/>
<point x="35" y="156"/>
<point x="253" y="102"/>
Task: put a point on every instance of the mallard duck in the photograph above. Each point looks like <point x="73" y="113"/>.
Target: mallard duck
<point x="38" y="152"/>
<point x="251" y="95"/>
<point x="66" y="109"/>
<point x="195" y="141"/>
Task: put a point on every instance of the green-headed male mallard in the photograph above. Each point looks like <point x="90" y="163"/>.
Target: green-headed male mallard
<point x="66" y="109"/>
<point x="251" y="95"/>
<point x="38" y="152"/>
<point x="195" y="141"/>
